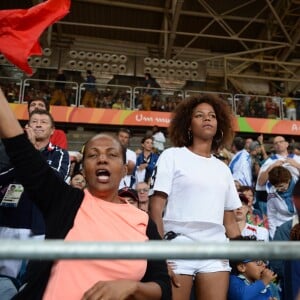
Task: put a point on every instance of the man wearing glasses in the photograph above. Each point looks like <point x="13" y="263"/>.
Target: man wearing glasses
<point x="281" y="157"/>
<point x="142" y="189"/>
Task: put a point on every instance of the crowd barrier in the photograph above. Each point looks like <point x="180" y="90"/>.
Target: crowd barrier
<point x="105" y="95"/>
<point x="58" y="249"/>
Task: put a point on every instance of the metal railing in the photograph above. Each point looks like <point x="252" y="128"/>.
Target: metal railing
<point x="58" y="249"/>
<point x="258" y="106"/>
<point x="35" y="88"/>
<point x="12" y="89"/>
<point x="163" y="97"/>
<point x="243" y="105"/>
<point x="107" y="92"/>
<point x="225" y="96"/>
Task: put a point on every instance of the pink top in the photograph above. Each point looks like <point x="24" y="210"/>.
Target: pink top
<point x="98" y="220"/>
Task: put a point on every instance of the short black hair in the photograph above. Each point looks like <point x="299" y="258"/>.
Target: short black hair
<point x="47" y="105"/>
<point x="42" y="112"/>
<point x="239" y="143"/>
<point x="126" y="130"/>
<point x="146" y="138"/>
<point x="123" y="149"/>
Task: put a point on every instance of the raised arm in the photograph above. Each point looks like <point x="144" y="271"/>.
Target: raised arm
<point x="9" y="125"/>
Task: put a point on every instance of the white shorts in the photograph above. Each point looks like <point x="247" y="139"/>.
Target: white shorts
<point x="193" y="267"/>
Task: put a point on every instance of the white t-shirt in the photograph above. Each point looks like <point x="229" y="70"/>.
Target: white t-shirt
<point x="125" y="181"/>
<point x="261" y="233"/>
<point x="199" y="189"/>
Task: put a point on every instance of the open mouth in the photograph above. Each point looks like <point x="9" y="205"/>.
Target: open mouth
<point x="103" y="175"/>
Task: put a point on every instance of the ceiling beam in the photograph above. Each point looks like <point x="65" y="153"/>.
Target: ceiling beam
<point x="175" y="19"/>
<point x="279" y="21"/>
<point x="270" y="62"/>
<point x="259" y="77"/>
<point x="194" y="38"/>
<point x="148" y="7"/>
<point x="235" y="38"/>
<point x="296" y="38"/>
<point x="220" y="21"/>
<point x="240" y="53"/>
<point x="163" y="38"/>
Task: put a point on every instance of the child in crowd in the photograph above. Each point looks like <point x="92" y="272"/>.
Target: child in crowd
<point x="77" y="180"/>
<point x="130" y="195"/>
<point x="254" y="216"/>
<point x="280" y="207"/>
<point x="253" y="231"/>
<point x="250" y="279"/>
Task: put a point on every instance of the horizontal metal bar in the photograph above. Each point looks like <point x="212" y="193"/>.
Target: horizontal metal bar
<point x="57" y="249"/>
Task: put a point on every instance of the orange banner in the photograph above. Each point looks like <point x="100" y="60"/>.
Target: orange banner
<point x="83" y="115"/>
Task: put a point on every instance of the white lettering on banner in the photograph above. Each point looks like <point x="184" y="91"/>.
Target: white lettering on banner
<point x="295" y="127"/>
<point x="140" y="118"/>
<point x="158" y="120"/>
<point x="162" y="120"/>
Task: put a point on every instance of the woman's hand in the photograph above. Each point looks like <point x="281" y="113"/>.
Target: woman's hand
<point x="111" y="290"/>
<point x="172" y="275"/>
<point x="142" y="166"/>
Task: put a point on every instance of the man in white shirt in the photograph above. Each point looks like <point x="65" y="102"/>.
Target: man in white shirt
<point x="124" y="136"/>
<point x="240" y="164"/>
<point x="159" y="139"/>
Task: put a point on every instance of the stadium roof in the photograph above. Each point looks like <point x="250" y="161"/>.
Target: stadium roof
<point x="264" y="33"/>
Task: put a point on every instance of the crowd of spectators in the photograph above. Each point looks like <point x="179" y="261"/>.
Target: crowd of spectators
<point x="265" y="177"/>
<point x="149" y="96"/>
<point x="271" y="106"/>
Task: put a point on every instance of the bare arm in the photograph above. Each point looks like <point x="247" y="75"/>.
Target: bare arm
<point x="123" y="289"/>
<point x="231" y="225"/>
<point x="157" y="205"/>
<point x="263" y="150"/>
<point x="130" y="167"/>
<point x="263" y="177"/>
<point x="9" y="125"/>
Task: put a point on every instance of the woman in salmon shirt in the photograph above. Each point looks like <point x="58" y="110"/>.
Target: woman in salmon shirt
<point x="96" y="213"/>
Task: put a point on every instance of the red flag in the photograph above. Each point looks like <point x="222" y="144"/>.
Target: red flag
<point x="20" y="30"/>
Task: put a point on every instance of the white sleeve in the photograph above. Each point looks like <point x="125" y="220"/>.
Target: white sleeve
<point x="243" y="172"/>
<point x="130" y="156"/>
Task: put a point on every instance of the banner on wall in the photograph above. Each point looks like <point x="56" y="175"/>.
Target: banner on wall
<point x="83" y="115"/>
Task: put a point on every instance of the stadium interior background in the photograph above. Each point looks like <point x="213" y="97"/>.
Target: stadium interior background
<point x="236" y="47"/>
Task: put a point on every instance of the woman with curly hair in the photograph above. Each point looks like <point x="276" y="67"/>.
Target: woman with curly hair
<point x="194" y="194"/>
